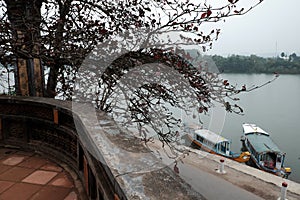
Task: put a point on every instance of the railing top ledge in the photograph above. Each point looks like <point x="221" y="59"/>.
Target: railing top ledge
<point x="140" y="174"/>
<point x="37" y="100"/>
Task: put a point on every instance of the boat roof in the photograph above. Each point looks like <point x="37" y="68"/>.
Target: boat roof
<point x="262" y="143"/>
<point x="210" y="136"/>
<point x="252" y="128"/>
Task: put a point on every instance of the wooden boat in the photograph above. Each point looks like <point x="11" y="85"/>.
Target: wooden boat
<point x="265" y="154"/>
<point x="216" y="144"/>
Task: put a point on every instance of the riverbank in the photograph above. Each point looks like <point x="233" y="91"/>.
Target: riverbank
<point x="263" y="185"/>
<point x="256" y="64"/>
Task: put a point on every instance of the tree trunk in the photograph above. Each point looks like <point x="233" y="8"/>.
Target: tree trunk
<point x="64" y="9"/>
<point x="52" y="81"/>
<point x="25" y="18"/>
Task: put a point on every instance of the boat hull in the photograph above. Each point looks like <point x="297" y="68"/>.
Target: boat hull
<point x="253" y="162"/>
<point x="242" y="157"/>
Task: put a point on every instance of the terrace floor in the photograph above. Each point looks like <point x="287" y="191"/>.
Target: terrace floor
<point x="28" y="176"/>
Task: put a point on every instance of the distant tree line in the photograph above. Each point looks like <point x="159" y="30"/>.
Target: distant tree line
<point x="285" y="64"/>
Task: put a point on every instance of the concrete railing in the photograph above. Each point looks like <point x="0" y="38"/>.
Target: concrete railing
<point x="47" y="126"/>
<point x="118" y="171"/>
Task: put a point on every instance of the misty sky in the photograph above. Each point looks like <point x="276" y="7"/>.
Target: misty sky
<point x="272" y="26"/>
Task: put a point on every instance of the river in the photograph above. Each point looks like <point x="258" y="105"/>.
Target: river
<point x="275" y="108"/>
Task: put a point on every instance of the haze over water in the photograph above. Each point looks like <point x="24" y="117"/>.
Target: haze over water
<point x="275" y="108"/>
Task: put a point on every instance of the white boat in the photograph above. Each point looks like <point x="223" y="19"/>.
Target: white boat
<point x="214" y="143"/>
<point x="265" y="154"/>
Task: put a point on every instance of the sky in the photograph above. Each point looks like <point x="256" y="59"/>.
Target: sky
<point x="269" y="29"/>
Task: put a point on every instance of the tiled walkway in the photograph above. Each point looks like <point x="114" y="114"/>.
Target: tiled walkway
<point x="28" y="176"/>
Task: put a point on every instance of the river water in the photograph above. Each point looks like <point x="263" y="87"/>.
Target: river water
<point x="275" y="108"/>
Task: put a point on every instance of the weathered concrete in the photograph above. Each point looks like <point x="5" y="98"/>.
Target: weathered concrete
<point x="136" y="171"/>
<point x="212" y="186"/>
<point x="111" y="162"/>
<point x="261" y="183"/>
<point x="140" y="174"/>
<point x="199" y="169"/>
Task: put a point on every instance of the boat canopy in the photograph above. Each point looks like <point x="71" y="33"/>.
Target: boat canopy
<point x="252" y="128"/>
<point x="210" y="136"/>
<point x="262" y="143"/>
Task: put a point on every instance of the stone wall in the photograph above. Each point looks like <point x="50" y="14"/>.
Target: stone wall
<point x="109" y="162"/>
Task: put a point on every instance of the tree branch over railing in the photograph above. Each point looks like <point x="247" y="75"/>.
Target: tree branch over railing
<point x="151" y="32"/>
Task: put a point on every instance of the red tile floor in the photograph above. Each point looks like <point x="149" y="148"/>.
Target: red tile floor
<point x="28" y="176"/>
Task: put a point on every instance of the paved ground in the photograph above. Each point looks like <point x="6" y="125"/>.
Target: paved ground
<point x="238" y="179"/>
<point x="213" y="187"/>
<point x="28" y="176"/>
<point x="198" y="168"/>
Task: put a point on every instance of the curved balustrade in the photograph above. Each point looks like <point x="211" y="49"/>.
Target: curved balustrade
<point x="51" y="127"/>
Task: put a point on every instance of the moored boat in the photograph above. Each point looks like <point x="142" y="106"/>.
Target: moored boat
<point x="216" y="144"/>
<point x="265" y="154"/>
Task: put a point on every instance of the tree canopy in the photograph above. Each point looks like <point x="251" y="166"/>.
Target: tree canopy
<point x="47" y="42"/>
<point x="61" y="33"/>
<point x="255" y="64"/>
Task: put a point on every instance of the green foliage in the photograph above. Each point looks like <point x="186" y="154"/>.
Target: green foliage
<point x="255" y="64"/>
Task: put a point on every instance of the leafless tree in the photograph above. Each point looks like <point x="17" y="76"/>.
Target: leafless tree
<point x="56" y="36"/>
